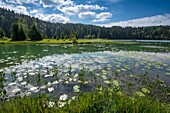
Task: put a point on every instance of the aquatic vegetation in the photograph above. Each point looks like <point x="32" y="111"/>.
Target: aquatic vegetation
<point x="108" y="81"/>
<point x="63" y="97"/>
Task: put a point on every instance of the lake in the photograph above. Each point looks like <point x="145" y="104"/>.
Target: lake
<point x="57" y="66"/>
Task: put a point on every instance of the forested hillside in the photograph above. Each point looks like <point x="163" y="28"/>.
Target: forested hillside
<point x="59" y="30"/>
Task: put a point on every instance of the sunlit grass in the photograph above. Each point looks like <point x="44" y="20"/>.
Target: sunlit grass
<point x="80" y="41"/>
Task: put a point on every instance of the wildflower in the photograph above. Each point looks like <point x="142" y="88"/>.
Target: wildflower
<point x="63" y="97"/>
<point x="51" y="104"/>
<point x="61" y="104"/>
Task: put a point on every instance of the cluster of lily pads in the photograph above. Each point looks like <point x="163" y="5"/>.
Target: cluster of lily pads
<point x="67" y="75"/>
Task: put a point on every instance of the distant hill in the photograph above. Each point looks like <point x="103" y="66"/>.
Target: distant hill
<point x="7" y="18"/>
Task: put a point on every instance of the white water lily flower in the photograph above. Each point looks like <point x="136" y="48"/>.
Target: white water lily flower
<point x="76" y="88"/>
<point x="49" y="84"/>
<point x="63" y="97"/>
<point x="50" y="75"/>
<point x="50" y="89"/>
<point x="20" y="79"/>
<point x="43" y="87"/>
<point x="36" y="66"/>
<point x="66" y="82"/>
<point x="74" y="79"/>
<point x="70" y="79"/>
<point x="31" y="74"/>
<point x="51" y="104"/>
<point x="11" y="84"/>
<point x="73" y="98"/>
<point x="16" y="90"/>
<point x="33" y="88"/>
<point x="28" y="93"/>
<point x="61" y="104"/>
<point x="55" y="82"/>
<point x="23" y="83"/>
<point x="76" y="75"/>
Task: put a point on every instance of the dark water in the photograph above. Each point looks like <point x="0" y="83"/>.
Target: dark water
<point x="127" y="59"/>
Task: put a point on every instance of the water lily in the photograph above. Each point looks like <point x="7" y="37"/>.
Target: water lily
<point x="63" y="97"/>
<point x="49" y="84"/>
<point x="55" y="82"/>
<point x="145" y="90"/>
<point x="11" y="84"/>
<point x="76" y="88"/>
<point x="104" y="77"/>
<point x="23" y="83"/>
<point x="33" y="88"/>
<point x="50" y="89"/>
<point x="73" y="98"/>
<point x="16" y="90"/>
<point x="61" y="104"/>
<point x="107" y="82"/>
<point x="51" y="104"/>
<point x="140" y="94"/>
<point x="115" y="82"/>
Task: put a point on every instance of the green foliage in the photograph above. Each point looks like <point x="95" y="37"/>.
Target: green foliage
<point x="34" y="33"/>
<point x="14" y="31"/>
<point x="2" y="33"/>
<point x="18" y="30"/>
<point x="74" y="40"/>
<point x="116" y="32"/>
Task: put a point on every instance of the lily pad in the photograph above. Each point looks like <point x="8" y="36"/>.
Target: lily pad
<point x="107" y="82"/>
<point x="145" y="90"/>
<point x="115" y="82"/>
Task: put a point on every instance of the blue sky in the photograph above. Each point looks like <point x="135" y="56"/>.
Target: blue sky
<point x="97" y="12"/>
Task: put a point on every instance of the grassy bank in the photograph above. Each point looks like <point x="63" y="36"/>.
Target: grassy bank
<point x="94" y="102"/>
<point x="80" y="41"/>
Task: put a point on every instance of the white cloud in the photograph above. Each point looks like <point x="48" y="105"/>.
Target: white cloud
<point x="141" y="22"/>
<point x="21" y="10"/>
<point x="20" y="2"/>
<point x="54" y="3"/>
<point x="14" y="1"/>
<point x="103" y="17"/>
<point x="54" y="18"/>
<point x="34" y="11"/>
<point x="76" y="9"/>
<point x="84" y="15"/>
<point x="18" y="9"/>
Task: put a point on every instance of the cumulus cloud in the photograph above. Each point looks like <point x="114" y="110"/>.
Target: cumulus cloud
<point x="103" y="17"/>
<point x="55" y="3"/>
<point x="76" y="9"/>
<point x="54" y="18"/>
<point x="20" y="2"/>
<point x="84" y="15"/>
<point x="18" y="9"/>
<point x="34" y="11"/>
<point x="143" y="22"/>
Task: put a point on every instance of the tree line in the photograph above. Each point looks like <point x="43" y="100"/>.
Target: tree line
<point x="23" y="27"/>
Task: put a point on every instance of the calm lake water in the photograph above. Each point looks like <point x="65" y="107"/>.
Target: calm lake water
<point x="20" y="61"/>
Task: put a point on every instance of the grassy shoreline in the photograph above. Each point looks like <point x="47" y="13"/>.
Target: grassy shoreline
<point x="80" y="41"/>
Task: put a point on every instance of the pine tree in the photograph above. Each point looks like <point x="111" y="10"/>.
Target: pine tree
<point x="2" y="33"/>
<point x="14" y="31"/>
<point x="34" y="33"/>
<point x="22" y="35"/>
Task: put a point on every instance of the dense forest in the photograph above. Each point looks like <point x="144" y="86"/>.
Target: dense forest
<point x="10" y="22"/>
